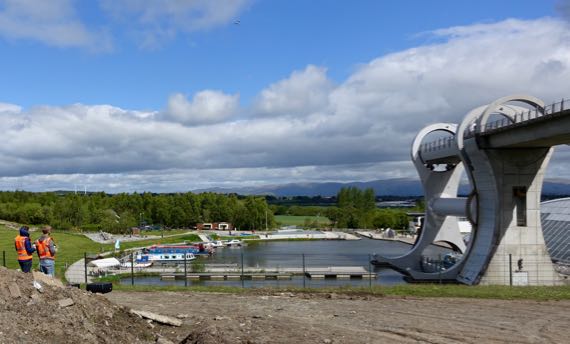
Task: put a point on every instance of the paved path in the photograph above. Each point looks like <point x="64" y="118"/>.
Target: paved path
<point x="204" y="237"/>
<point x="76" y="273"/>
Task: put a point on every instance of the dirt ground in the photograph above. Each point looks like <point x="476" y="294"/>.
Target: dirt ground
<point x="44" y="313"/>
<point x="335" y="318"/>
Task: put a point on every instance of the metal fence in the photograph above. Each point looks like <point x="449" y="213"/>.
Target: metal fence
<point x="310" y="270"/>
<point x="243" y="269"/>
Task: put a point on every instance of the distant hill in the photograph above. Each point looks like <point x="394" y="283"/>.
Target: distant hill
<point x="392" y="187"/>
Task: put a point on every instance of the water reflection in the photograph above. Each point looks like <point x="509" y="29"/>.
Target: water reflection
<point x="298" y="254"/>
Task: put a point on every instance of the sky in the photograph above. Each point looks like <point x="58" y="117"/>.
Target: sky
<point x="177" y="95"/>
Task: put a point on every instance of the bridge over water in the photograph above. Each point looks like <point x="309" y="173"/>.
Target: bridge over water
<point x="504" y="147"/>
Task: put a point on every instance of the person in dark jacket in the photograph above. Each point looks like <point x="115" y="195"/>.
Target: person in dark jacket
<point x="24" y="249"/>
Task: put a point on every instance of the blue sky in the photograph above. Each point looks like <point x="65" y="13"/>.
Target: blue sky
<point x="125" y="95"/>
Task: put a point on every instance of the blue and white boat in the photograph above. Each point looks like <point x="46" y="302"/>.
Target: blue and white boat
<point x="167" y="254"/>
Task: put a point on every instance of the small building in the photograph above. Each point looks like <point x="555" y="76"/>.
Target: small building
<point x="222" y="226"/>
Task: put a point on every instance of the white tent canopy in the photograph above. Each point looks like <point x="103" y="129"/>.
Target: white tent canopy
<point x="104" y="263"/>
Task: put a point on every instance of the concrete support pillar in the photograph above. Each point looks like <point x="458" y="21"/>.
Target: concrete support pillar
<point x="508" y="184"/>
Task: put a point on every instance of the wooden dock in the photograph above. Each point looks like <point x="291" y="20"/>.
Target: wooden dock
<point x="228" y="276"/>
<point x="329" y="272"/>
<point x="340" y="272"/>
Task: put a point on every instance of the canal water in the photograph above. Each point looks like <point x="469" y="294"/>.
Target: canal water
<point x="315" y="254"/>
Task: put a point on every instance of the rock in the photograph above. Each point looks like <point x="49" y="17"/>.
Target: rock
<point x="182" y="316"/>
<point x="14" y="290"/>
<point x="163" y="319"/>
<point x="327" y="341"/>
<point x="256" y="316"/>
<point x="162" y="340"/>
<point x="48" y="280"/>
<point x="65" y="302"/>
<point x="352" y="312"/>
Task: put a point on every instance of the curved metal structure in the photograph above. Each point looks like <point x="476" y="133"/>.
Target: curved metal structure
<point x="437" y="226"/>
<point x="505" y="163"/>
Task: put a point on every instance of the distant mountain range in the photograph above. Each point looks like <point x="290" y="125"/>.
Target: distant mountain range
<point x="390" y="187"/>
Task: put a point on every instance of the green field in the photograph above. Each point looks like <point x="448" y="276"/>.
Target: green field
<point x="289" y="220"/>
<point x="73" y="246"/>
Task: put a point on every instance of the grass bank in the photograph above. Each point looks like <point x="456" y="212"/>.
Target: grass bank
<point x="542" y="293"/>
<point x="73" y="246"/>
<point x="291" y="220"/>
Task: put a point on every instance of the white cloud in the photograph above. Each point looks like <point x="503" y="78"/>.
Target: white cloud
<point x="58" y="23"/>
<point x="206" y="107"/>
<point x="5" y="107"/>
<point x="306" y="127"/>
<point x="157" y="21"/>
<point x="53" y="22"/>
<point x="302" y="93"/>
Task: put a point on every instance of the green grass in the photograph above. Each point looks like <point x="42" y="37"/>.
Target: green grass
<point x="166" y="240"/>
<point x="71" y="247"/>
<point x="290" y="220"/>
<point x="542" y="293"/>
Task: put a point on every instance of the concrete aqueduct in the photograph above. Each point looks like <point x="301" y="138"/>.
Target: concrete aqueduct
<point x="505" y="160"/>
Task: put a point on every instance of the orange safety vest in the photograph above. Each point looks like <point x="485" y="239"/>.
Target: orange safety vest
<point x="21" y="248"/>
<point x="43" y="249"/>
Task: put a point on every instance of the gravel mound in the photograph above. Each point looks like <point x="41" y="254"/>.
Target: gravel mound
<point x="57" y="314"/>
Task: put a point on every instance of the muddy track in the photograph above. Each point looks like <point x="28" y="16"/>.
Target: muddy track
<point x="302" y="318"/>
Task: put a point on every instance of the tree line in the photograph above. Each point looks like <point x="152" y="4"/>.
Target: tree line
<point x="355" y="208"/>
<point x="118" y="213"/>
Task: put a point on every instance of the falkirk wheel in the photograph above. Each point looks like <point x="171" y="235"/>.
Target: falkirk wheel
<point x="504" y="160"/>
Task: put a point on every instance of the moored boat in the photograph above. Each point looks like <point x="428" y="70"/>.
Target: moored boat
<point x="167" y="254"/>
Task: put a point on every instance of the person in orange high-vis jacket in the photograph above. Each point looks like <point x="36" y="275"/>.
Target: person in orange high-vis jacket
<point x="46" y="251"/>
<point x="24" y="249"/>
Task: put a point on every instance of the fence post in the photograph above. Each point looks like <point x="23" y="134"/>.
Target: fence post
<point x="440" y="266"/>
<point x="510" y="269"/>
<point x="370" y="271"/>
<point x="304" y="271"/>
<point x="4" y="258"/>
<point x="132" y="268"/>
<point x="85" y="267"/>
<point x="242" y="281"/>
<point x="185" y="272"/>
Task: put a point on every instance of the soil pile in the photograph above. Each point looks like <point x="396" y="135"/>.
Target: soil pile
<point x="57" y="314"/>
